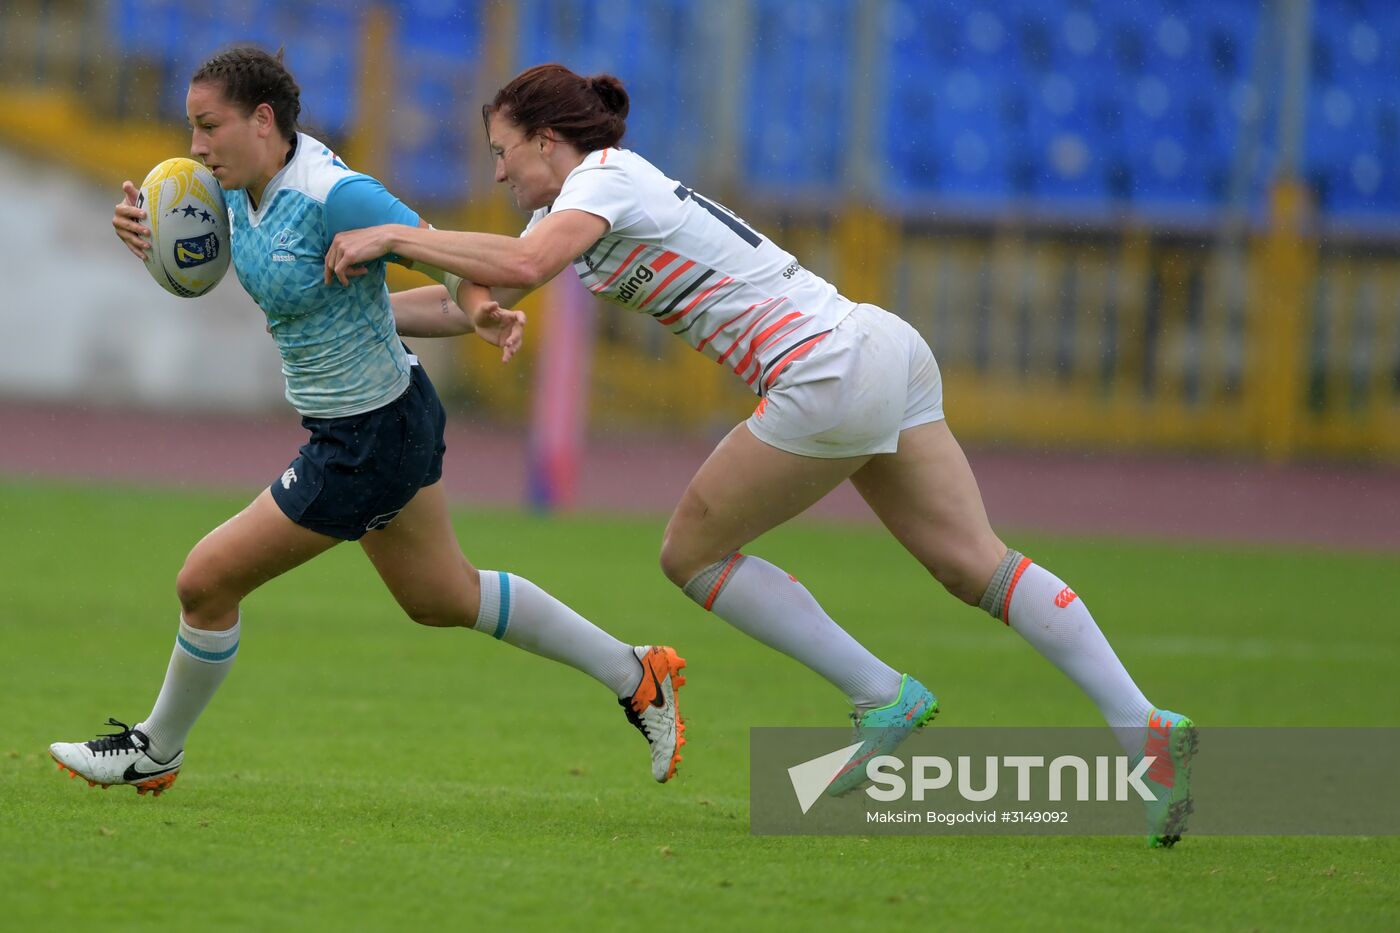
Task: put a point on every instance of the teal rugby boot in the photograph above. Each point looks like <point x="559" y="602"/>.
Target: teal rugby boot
<point x="1171" y="741"/>
<point x="881" y="730"/>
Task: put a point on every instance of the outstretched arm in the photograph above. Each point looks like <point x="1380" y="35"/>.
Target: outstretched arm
<point x="428" y="312"/>
<point x="524" y="262"/>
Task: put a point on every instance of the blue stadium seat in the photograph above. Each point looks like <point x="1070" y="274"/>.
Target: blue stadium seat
<point x="437" y="49"/>
<point x="1069" y="155"/>
<point x="1054" y="104"/>
<point x="656" y="57"/>
<point x="452" y="29"/>
<point x="1352" y="150"/>
<point x="799" y="102"/>
<point x="323" y="56"/>
<point x="430" y="161"/>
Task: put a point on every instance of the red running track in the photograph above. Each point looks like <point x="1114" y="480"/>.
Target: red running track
<point x="1326" y="506"/>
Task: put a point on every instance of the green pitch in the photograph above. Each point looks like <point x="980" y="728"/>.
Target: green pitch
<point x="359" y="772"/>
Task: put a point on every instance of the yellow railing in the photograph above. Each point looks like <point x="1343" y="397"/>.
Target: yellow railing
<point x="1120" y="340"/>
<point x="1350" y="366"/>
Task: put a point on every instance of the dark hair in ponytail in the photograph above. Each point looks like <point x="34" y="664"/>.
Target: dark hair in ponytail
<point x="249" y="76"/>
<point x="589" y="113"/>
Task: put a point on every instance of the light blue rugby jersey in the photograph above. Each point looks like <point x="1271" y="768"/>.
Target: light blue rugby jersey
<point x="340" y="353"/>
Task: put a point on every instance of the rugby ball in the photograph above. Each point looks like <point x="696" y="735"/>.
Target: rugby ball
<point x="185" y="210"/>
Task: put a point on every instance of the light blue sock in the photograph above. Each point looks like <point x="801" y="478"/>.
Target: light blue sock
<point x="200" y="662"/>
<point x="521" y="614"/>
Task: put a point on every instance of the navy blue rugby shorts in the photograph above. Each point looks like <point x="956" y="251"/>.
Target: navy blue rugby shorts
<point x="356" y="473"/>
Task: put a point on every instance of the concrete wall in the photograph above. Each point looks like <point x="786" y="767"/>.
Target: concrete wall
<point x="81" y="320"/>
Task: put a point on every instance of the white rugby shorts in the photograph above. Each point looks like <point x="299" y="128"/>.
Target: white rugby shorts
<point x="869" y="379"/>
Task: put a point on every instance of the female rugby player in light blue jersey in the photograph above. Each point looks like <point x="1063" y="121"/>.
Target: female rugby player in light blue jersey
<point x="371" y="470"/>
<point x="846" y="391"/>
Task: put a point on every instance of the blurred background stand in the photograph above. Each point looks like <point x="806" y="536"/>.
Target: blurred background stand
<point x="1169" y="226"/>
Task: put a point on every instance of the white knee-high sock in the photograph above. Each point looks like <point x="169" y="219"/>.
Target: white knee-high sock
<point x="520" y="613"/>
<point x="1052" y="617"/>
<point x="769" y="604"/>
<point x="198" y="665"/>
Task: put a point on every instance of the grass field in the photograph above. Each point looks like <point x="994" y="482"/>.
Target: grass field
<point x="359" y="772"/>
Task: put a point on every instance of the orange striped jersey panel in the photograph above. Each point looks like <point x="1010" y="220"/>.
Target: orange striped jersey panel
<point x="695" y="267"/>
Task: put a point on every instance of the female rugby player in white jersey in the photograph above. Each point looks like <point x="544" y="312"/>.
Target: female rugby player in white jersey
<point x="371" y="471"/>
<point x="846" y="391"/>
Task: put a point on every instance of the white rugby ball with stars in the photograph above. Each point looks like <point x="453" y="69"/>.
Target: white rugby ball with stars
<point x="185" y="210"/>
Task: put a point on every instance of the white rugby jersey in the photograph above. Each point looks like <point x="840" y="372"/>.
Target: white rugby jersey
<point x="730" y="292"/>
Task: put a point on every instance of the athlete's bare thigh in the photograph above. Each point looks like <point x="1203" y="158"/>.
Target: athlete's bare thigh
<point x="745" y="488"/>
<point x="926" y="495"/>
<point x="252" y="547"/>
<point x="419" y="559"/>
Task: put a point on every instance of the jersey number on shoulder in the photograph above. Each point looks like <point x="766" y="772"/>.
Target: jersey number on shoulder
<point x="724" y="215"/>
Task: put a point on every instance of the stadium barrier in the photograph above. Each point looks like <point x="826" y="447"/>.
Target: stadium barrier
<point x="1272" y="338"/>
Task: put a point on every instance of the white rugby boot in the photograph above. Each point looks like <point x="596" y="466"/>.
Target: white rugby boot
<point x="653" y="708"/>
<point x="117" y="758"/>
